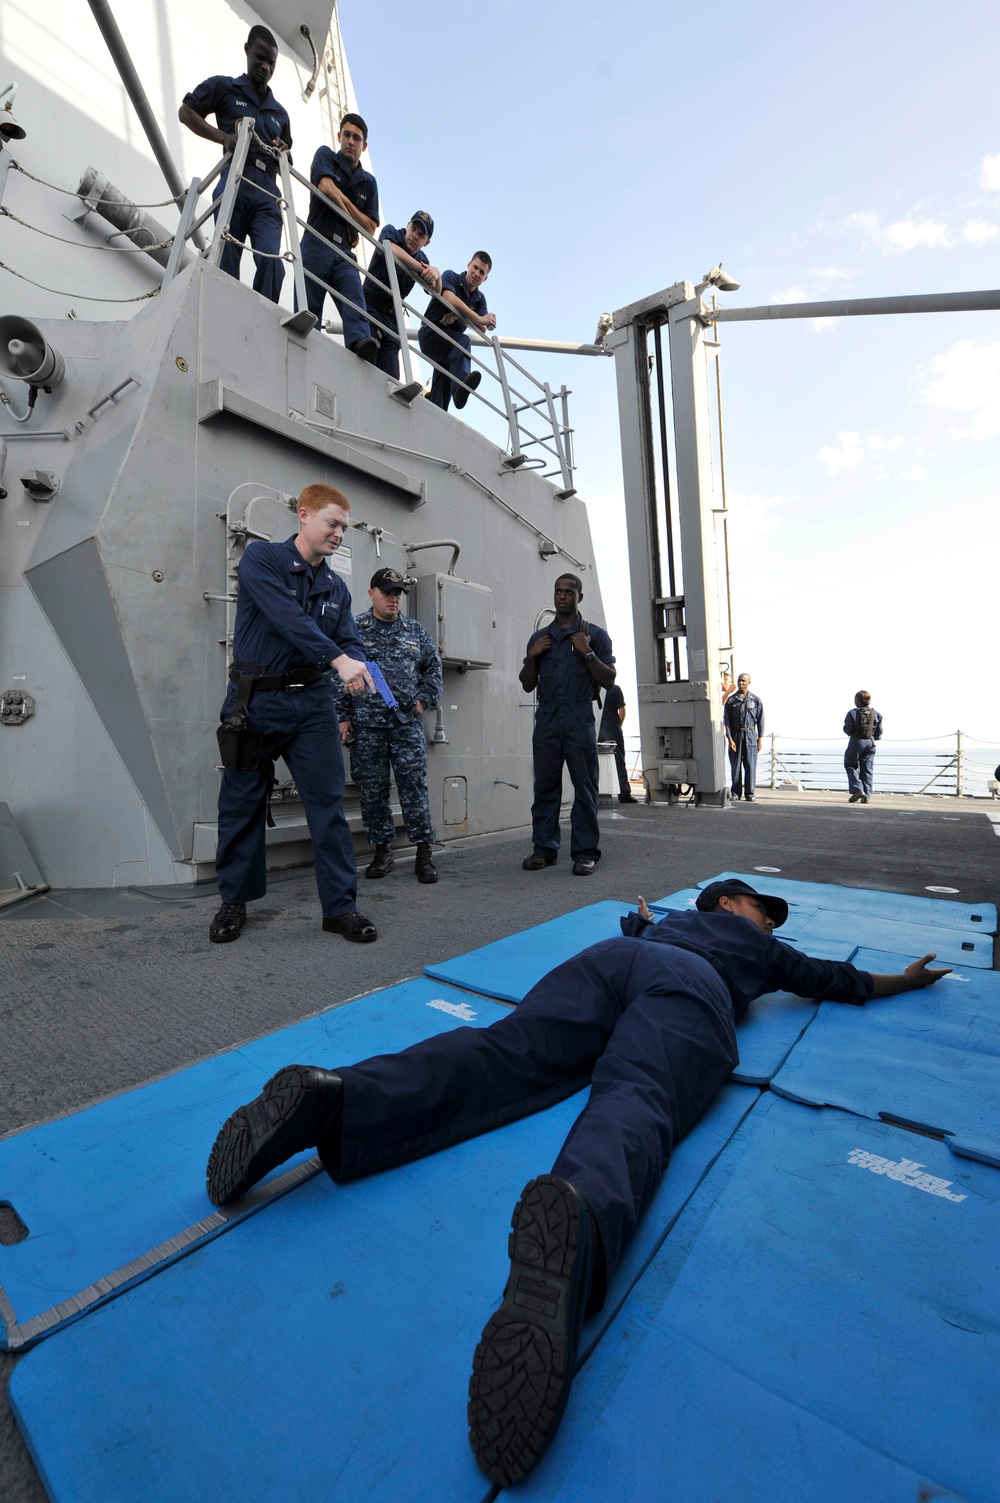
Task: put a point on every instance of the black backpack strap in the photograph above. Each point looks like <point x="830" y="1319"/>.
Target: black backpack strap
<point x="585" y="628"/>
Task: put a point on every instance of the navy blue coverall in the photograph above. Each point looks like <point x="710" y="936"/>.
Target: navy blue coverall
<point x="289" y="614"/>
<point x="564" y="733"/>
<point x="379" y="302"/>
<point x="442" y="351"/>
<point x="646" y="1021"/>
<point x="256" y="211"/>
<point x="744" y="718"/>
<point x="610" y="729"/>
<point x="327" y="220"/>
<point x="859" y="758"/>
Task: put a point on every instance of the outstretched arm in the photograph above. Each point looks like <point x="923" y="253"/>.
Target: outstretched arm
<point x="917" y="974"/>
<point x="789" y="970"/>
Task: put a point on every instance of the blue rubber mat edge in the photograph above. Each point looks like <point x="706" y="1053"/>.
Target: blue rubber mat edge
<point x="19" y="1336"/>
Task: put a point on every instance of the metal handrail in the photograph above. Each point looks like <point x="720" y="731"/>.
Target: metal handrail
<point x="899" y="767"/>
<point x="555" y="438"/>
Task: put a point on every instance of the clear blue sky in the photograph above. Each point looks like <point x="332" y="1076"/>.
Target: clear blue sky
<point x="601" y="153"/>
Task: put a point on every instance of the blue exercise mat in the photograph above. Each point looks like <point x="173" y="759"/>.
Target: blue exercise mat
<point x="820" y="1324"/>
<point x="962" y="1010"/>
<point x="930" y="1058"/>
<point x="771" y="1029"/>
<point x="323" y="1349"/>
<point x="952" y="946"/>
<point x="110" y="1193"/>
<point x="508" y="968"/>
<point x="901" y="907"/>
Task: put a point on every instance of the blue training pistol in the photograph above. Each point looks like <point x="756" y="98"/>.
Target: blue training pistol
<point x="378" y="679"/>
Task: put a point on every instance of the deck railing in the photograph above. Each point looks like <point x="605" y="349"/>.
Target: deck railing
<point x="957" y="765"/>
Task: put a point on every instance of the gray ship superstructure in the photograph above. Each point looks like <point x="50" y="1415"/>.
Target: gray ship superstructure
<point x="162" y="440"/>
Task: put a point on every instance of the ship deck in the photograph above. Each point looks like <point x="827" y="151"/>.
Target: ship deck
<point x="108" y="990"/>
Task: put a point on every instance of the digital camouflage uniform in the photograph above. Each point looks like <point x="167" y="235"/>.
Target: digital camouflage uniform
<point x="412" y="669"/>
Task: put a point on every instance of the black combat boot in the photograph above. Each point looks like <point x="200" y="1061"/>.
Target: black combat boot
<point x="423" y="868"/>
<point x="525" y="1362"/>
<point x="383" y="863"/>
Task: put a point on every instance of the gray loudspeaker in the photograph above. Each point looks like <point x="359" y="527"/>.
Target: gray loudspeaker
<point x="25" y="355"/>
<point x="10" y="129"/>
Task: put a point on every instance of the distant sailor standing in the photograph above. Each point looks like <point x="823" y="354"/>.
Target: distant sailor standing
<point x="743" y="714"/>
<point x="612" y="720"/>
<point x="256" y="212"/>
<point x="385" y="737"/>
<point x="863" y="726"/>
<point x="293" y="624"/>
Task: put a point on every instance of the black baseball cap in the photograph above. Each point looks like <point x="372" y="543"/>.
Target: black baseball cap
<point x="775" y="908"/>
<point x="421" y="217"/>
<point x="389" y="579"/>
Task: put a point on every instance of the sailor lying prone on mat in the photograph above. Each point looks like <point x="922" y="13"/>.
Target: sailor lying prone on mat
<point x="648" y="1022"/>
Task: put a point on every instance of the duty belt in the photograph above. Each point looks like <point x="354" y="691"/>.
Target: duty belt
<point x="294" y="679"/>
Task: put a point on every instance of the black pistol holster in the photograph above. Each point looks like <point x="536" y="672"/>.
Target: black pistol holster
<point x="241" y="749"/>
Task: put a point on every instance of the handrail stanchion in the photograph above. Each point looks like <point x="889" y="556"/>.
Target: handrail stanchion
<point x="569" y="489"/>
<point x="182" y="231"/>
<point x="774" y="770"/>
<point x="410" y="389"/>
<point x="958" y="764"/>
<point x="515" y="458"/>
<point x="233" y="183"/>
<point x="566" y="429"/>
<point x="301" y="321"/>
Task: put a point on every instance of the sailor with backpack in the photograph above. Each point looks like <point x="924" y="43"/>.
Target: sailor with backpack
<point x="863" y="726"/>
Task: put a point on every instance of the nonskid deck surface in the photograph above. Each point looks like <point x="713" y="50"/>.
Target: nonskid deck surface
<point x="167" y="998"/>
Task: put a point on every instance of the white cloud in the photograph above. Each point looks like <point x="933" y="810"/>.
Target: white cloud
<point x="915" y="472"/>
<point x="966" y="378"/>
<point x="852" y="448"/>
<point x="989" y="176"/>
<point x="905" y="235"/>
<point x="901" y="236"/>
<point x="847" y="456"/>
<point x="755" y="514"/>
<point x="979" y="231"/>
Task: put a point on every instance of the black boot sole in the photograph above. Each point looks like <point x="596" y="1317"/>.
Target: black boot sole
<point x="523" y="1367"/>
<point x="291" y="1114"/>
